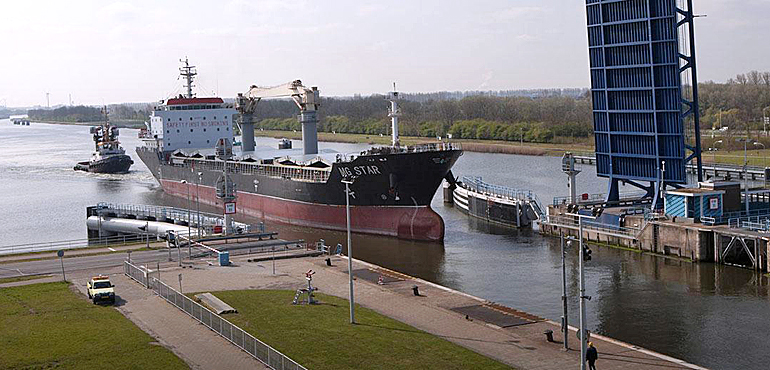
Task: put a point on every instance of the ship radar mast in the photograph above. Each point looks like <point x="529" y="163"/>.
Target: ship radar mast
<point x="189" y="73"/>
<point x="394" y="113"/>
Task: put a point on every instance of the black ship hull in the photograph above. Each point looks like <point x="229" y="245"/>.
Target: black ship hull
<point x="391" y="194"/>
<point x="111" y="164"/>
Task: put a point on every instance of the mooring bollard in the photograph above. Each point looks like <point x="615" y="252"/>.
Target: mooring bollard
<point x="328" y="261"/>
<point x="416" y="290"/>
<point x="549" y="335"/>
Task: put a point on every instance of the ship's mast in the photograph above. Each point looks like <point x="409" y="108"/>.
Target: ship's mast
<point x="189" y="73"/>
<point x="394" y="113"/>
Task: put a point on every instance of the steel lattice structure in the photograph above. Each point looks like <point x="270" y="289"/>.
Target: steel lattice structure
<point x="644" y="90"/>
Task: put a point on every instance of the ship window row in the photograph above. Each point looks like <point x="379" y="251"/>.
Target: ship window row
<point x="180" y="118"/>
<point x="193" y="107"/>
<point x="191" y="130"/>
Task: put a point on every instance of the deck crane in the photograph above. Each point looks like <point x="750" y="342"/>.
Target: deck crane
<point x="307" y="99"/>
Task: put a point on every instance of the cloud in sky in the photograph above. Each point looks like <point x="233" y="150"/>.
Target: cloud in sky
<point x="119" y="51"/>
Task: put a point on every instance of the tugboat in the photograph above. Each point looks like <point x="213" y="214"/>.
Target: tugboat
<point x="109" y="156"/>
<point x="284" y="144"/>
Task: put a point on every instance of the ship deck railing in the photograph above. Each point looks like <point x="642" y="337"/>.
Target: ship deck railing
<point x="420" y="148"/>
<point x="297" y="173"/>
<point x="479" y="186"/>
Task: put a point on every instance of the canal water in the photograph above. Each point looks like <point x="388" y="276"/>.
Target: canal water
<point x="713" y="316"/>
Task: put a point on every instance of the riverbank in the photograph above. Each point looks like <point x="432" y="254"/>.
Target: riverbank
<point x="481" y="146"/>
<point x="135" y="124"/>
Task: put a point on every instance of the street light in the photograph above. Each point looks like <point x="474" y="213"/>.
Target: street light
<point x="565" y="322"/>
<point x="713" y="150"/>
<point x="585" y="255"/>
<point x="349" y="181"/>
<point x="746" y="169"/>
<point x="198" y="201"/>
<point x="189" y="247"/>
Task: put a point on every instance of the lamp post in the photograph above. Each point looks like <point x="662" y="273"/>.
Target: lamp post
<point x="585" y="255"/>
<point x="746" y="170"/>
<point x="713" y="150"/>
<point x="198" y="201"/>
<point x="565" y="323"/>
<point x="189" y="246"/>
<point x="348" y="181"/>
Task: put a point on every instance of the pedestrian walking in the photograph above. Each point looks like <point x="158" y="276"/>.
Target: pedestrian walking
<point x="591" y="356"/>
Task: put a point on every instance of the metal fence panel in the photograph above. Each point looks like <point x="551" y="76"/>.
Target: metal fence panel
<point x="234" y="334"/>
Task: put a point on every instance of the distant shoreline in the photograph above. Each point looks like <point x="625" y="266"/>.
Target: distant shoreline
<point x="479" y="146"/>
<point x="116" y="123"/>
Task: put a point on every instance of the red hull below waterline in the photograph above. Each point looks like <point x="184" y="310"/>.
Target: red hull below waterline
<point x="405" y="222"/>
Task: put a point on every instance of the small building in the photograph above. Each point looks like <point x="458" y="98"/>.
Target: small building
<point x="694" y="203"/>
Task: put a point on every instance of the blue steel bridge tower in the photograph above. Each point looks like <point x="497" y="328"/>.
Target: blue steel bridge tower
<point x="644" y="88"/>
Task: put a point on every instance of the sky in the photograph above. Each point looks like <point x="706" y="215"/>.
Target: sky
<point x="128" y="51"/>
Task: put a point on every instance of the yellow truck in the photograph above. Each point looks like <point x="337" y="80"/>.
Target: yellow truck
<point x="100" y="289"/>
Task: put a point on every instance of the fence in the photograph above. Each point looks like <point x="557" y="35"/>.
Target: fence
<point x="73" y="244"/>
<point x="235" y="335"/>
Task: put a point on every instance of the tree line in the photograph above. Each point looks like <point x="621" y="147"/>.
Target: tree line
<point x="474" y="117"/>
<point x="559" y="115"/>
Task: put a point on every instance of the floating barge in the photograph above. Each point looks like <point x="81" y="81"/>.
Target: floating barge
<point x="493" y="203"/>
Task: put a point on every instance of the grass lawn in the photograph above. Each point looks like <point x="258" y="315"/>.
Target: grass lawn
<point x="48" y="326"/>
<point x="321" y="337"/>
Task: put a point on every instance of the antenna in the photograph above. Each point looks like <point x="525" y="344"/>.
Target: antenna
<point x="189" y="73"/>
<point x="394" y="113"/>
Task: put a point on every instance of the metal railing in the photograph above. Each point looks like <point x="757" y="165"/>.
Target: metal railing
<point x="420" y="148"/>
<point x="572" y="222"/>
<point x="235" y="335"/>
<point x="74" y="244"/>
<point x="477" y="185"/>
<point x="208" y="220"/>
<point x="138" y="273"/>
<point x="294" y="172"/>
<point x="595" y="198"/>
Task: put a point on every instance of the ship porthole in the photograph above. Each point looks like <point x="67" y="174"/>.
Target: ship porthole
<point x="383" y="196"/>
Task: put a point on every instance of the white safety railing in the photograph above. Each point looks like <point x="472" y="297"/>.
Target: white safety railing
<point x="235" y="335"/>
<point x="111" y="241"/>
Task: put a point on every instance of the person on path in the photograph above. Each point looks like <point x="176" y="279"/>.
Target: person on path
<point x="591" y="356"/>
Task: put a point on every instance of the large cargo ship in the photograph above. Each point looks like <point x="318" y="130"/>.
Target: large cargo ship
<point x="391" y="191"/>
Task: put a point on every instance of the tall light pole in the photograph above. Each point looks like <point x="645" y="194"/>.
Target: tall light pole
<point x="189" y="247"/>
<point x="746" y="170"/>
<point x="198" y="201"/>
<point x="565" y="329"/>
<point x="713" y="150"/>
<point x="348" y="181"/>
<point x="585" y="255"/>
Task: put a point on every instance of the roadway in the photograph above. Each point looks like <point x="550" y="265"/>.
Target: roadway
<point x="93" y="262"/>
